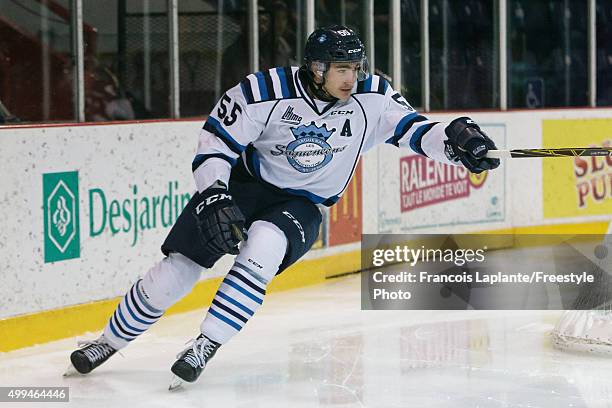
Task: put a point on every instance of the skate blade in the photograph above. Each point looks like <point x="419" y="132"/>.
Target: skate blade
<point x="71" y="371"/>
<point x="175" y="383"/>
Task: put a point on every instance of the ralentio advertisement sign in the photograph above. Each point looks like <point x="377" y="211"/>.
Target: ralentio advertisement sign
<point x="416" y="192"/>
<point x="425" y="182"/>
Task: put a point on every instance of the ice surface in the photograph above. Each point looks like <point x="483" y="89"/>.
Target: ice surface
<point x="314" y="347"/>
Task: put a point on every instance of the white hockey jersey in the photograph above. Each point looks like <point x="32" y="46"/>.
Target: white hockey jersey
<point x="305" y="146"/>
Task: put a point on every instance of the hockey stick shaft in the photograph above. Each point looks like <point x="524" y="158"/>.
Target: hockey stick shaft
<point x="562" y="152"/>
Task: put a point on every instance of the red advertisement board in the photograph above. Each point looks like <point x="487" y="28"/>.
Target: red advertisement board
<point x="425" y="182"/>
<point x="345" y="220"/>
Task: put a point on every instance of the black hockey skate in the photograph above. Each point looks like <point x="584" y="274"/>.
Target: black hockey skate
<point x="192" y="360"/>
<point x="91" y="355"/>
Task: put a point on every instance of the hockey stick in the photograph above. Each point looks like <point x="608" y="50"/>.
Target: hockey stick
<point x="562" y="152"/>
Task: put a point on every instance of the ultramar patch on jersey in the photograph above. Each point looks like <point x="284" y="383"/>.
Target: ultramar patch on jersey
<point x="310" y="151"/>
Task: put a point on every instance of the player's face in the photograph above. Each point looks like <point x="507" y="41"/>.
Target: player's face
<point x="340" y="79"/>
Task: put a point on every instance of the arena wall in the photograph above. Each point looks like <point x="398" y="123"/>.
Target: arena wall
<point x="86" y="207"/>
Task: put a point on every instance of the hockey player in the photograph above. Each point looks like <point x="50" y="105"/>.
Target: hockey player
<point x="274" y="147"/>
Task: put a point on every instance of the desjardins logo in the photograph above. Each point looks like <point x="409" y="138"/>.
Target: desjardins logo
<point x="124" y="211"/>
<point x="131" y="213"/>
<point x="61" y="216"/>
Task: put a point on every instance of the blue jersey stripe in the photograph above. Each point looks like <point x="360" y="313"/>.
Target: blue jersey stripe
<point x="331" y="201"/>
<point x="236" y="274"/>
<point x="283" y="81"/>
<point x="144" y="302"/>
<point x="229" y="310"/>
<point x="235" y="303"/>
<point x="112" y="327"/>
<point x="131" y="312"/>
<point x="245" y="280"/>
<point x="201" y="158"/>
<point x="124" y="322"/>
<point x="382" y="85"/>
<point x="213" y="126"/>
<point x="245" y="85"/>
<point x="415" y="140"/>
<point x="367" y="84"/>
<point x="404" y="126"/>
<point x="400" y="126"/>
<point x="224" y="319"/>
<point x="243" y="291"/>
<point x="290" y="82"/>
<point x="269" y="85"/>
<point x="141" y="312"/>
<point x="263" y="90"/>
<point x="121" y="328"/>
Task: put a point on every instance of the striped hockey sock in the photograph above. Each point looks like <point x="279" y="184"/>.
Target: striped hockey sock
<point x="240" y="294"/>
<point x="132" y="317"/>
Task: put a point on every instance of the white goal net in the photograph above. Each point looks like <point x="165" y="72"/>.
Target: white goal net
<point x="590" y="330"/>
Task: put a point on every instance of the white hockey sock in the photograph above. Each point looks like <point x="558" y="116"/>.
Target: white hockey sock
<point x="242" y="291"/>
<point x="132" y="317"/>
<point x="147" y="300"/>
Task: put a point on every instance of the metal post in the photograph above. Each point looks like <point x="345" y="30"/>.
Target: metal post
<point x="503" y="55"/>
<point x="425" y="76"/>
<point x="121" y="41"/>
<point x="299" y="31"/>
<point x="79" y="66"/>
<point x="174" y="58"/>
<point x="567" y="52"/>
<point x="592" y="54"/>
<point x="369" y="33"/>
<point x="310" y="17"/>
<point x="396" y="44"/>
<point x="253" y="18"/>
<point x="45" y="60"/>
<point x="219" y="49"/>
<point x="445" y="54"/>
<point x="495" y="58"/>
<point x="146" y="53"/>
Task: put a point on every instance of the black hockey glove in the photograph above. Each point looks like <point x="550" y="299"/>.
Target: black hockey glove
<point x="469" y="145"/>
<point x="220" y="222"/>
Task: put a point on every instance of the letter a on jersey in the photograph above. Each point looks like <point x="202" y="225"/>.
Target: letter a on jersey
<point x="346" y="129"/>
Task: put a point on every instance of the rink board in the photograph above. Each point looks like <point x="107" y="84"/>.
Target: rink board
<point x="86" y="208"/>
<point x="527" y="191"/>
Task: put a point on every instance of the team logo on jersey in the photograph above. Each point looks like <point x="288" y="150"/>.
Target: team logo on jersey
<point x="290" y="117"/>
<point x="310" y="151"/>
